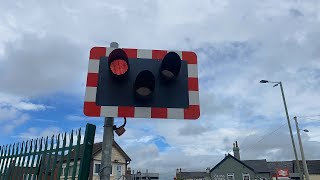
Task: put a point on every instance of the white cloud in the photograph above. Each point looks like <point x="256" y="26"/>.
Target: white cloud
<point x="30" y="106"/>
<point x="8" y="126"/>
<point x="73" y="117"/>
<point x="14" y="111"/>
<point x="20" y="103"/>
<point x="34" y="133"/>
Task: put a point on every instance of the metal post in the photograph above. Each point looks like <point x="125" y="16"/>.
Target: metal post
<point x="305" y="167"/>
<point x="106" y="166"/>
<point x="147" y="175"/>
<point x="290" y="129"/>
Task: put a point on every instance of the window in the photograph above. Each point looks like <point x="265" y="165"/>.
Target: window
<point x="97" y="168"/>
<point x="111" y="170"/>
<point x="70" y="170"/>
<point x="29" y="176"/>
<point x="245" y="176"/>
<point x="230" y="176"/>
<point x="119" y="170"/>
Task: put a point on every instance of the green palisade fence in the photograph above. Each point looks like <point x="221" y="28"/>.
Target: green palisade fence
<point x="60" y="157"/>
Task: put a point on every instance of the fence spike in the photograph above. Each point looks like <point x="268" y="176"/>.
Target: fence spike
<point x="62" y="154"/>
<point x="56" y="155"/>
<point x="38" y="163"/>
<point x="76" y="154"/>
<point x="48" y="166"/>
<point x="22" y="158"/>
<point x="33" y="156"/>
<point x="3" y="162"/>
<point x="33" y="159"/>
<point x="57" y="137"/>
<point x="44" y="157"/>
<point x="28" y="157"/>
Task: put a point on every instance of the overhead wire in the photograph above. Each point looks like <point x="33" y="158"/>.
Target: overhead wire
<point x="308" y="116"/>
<point x="311" y="119"/>
<point x="263" y="137"/>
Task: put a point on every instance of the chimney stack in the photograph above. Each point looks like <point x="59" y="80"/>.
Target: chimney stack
<point x="208" y="170"/>
<point x="236" y="150"/>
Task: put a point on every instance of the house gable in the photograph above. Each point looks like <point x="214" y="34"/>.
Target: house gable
<point x="97" y="149"/>
<point x="116" y="156"/>
<point x="229" y="156"/>
<point x="231" y="166"/>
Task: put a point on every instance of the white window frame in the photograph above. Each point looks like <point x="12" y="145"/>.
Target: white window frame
<point x="99" y="162"/>
<point x="26" y="176"/>
<point x="94" y="170"/>
<point x="245" y="174"/>
<point x="119" y="165"/>
<point x="230" y="174"/>
<point x="71" y="164"/>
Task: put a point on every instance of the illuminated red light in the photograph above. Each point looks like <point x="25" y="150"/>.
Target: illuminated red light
<point x="119" y="66"/>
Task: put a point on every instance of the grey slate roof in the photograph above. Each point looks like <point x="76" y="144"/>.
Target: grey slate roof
<point x="280" y="164"/>
<point x="192" y="174"/>
<point x="259" y="166"/>
<point x="97" y="147"/>
<point x="313" y="166"/>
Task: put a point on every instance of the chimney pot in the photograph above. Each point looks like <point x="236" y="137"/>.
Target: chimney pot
<point x="236" y="150"/>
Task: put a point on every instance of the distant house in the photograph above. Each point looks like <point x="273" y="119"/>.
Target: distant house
<point x="119" y="159"/>
<point x="143" y="175"/>
<point x="233" y="168"/>
<point x="180" y="175"/>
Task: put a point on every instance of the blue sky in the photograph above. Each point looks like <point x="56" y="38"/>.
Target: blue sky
<point x="44" y="49"/>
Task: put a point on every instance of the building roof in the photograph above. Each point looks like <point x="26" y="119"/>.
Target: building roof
<point x="192" y="174"/>
<point x="259" y="166"/>
<point x="313" y="166"/>
<point x="281" y="165"/>
<point x="230" y="156"/>
<point x="97" y="147"/>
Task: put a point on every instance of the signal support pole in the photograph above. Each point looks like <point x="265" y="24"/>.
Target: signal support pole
<point x="106" y="166"/>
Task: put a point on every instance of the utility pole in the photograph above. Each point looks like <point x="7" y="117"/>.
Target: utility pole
<point x="108" y="136"/>
<point x="290" y="130"/>
<point x="305" y="167"/>
<point x="288" y="120"/>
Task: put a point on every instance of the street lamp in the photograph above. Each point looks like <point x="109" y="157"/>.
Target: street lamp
<point x="305" y="167"/>
<point x="288" y="119"/>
